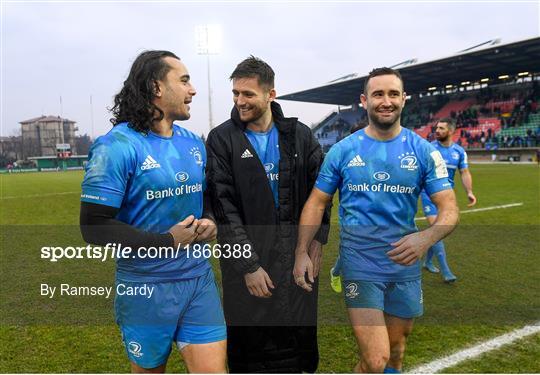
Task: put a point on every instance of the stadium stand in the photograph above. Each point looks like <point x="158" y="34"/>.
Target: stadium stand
<point x="486" y="121"/>
<point x="494" y="108"/>
<point x="483" y="120"/>
<point x="453" y="107"/>
<point x="336" y="126"/>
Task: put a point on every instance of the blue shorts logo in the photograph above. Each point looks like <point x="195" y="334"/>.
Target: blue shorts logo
<point x="135" y="349"/>
<point x="352" y="290"/>
<point x="181" y="176"/>
<point x="381" y="176"/>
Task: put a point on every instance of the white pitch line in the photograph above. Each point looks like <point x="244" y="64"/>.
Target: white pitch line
<point x="477" y="350"/>
<point x="40" y="195"/>
<point x="482" y="209"/>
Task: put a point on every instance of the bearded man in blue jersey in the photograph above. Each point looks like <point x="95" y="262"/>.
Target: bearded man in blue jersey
<point x="455" y="158"/>
<point x="380" y="171"/>
<point x="143" y="188"/>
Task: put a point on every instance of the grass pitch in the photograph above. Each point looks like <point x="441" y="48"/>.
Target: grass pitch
<point x="495" y="255"/>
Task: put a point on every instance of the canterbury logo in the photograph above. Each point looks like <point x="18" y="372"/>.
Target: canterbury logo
<point x="356" y="162"/>
<point x="247" y="154"/>
<point x="352" y="290"/>
<point x="149" y="163"/>
<point x="135" y="349"/>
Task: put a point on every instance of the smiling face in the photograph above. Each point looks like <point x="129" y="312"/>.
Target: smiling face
<point x="384" y="100"/>
<point x="251" y="99"/>
<point x="175" y="91"/>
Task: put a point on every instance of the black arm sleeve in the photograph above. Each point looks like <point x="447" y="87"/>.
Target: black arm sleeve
<point x="221" y="188"/>
<point x="99" y="227"/>
<point x="208" y="211"/>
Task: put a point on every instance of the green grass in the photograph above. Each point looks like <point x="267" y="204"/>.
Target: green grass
<point x="494" y="253"/>
<point x="519" y="357"/>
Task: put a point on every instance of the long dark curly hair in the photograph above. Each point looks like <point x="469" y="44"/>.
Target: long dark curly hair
<point x="133" y="104"/>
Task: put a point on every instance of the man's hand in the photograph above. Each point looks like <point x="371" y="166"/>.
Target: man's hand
<point x="207" y="230"/>
<point x="410" y="248"/>
<point x="472" y="199"/>
<point x="185" y="232"/>
<point x="315" y="254"/>
<point x="303" y="264"/>
<point x="466" y="180"/>
<point x="306" y="248"/>
<point x="258" y="283"/>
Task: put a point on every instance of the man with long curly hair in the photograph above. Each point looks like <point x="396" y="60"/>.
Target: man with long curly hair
<point x="144" y="187"/>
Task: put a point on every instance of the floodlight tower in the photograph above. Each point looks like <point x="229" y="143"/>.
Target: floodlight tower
<point x="209" y="43"/>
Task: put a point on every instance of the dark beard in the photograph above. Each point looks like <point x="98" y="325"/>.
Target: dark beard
<point x="382" y="125"/>
<point x="256" y="115"/>
<point x="442" y="140"/>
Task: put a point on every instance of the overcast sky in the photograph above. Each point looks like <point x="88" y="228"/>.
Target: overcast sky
<point x="78" y="50"/>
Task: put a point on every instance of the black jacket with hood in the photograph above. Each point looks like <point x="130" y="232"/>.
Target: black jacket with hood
<point x="273" y="334"/>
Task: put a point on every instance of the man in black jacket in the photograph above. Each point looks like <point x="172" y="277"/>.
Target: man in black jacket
<point x="261" y="169"/>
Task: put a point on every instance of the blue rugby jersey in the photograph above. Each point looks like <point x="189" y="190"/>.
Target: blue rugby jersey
<point x="266" y="146"/>
<point x="454" y="156"/>
<point x="156" y="182"/>
<point x="379" y="183"/>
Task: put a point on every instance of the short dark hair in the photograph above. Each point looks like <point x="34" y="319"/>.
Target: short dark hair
<point x="133" y="104"/>
<point x="253" y="67"/>
<point x="451" y="123"/>
<point x="382" y="72"/>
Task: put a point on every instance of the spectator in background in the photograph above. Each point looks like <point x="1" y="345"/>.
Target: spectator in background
<point x="469" y="140"/>
<point x="516" y="141"/>
<point x="529" y="139"/>
<point x="506" y="141"/>
<point x="476" y="138"/>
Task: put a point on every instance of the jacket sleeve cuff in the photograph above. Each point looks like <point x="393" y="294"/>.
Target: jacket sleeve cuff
<point x="209" y="215"/>
<point x="322" y="234"/>
<point x="250" y="269"/>
<point x="244" y="265"/>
